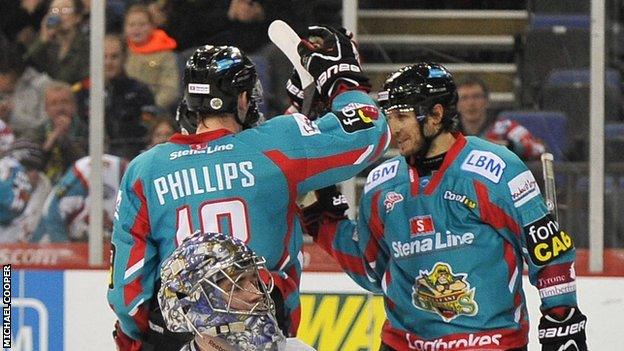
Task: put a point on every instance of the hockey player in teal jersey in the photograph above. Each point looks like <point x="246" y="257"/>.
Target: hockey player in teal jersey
<point x="443" y="230"/>
<point x="231" y="177"/>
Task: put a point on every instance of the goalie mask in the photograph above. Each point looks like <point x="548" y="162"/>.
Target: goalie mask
<point x="214" y="77"/>
<point x="211" y="286"/>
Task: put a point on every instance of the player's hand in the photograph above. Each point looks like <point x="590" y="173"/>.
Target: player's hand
<point x="295" y="90"/>
<point x="563" y="329"/>
<point x="332" y="59"/>
<point x="330" y="206"/>
<point x="123" y="341"/>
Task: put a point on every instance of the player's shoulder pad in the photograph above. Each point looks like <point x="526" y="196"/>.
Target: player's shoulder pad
<point x="486" y="159"/>
<point x="382" y="173"/>
<point x="356" y="116"/>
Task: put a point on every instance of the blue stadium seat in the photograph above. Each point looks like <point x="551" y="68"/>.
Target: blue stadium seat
<point x="545" y="49"/>
<point x="550" y="127"/>
<point x="568" y="91"/>
<point x="561" y="21"/>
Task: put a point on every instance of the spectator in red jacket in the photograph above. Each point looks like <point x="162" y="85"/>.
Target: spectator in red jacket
<point x="474" y="120"/>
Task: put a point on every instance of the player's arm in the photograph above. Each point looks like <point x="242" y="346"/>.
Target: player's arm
<point x="354" y="245"/>
<point x="344" y="141"/>
<point x="549" y="253"/>
<point x="133" y="261"/>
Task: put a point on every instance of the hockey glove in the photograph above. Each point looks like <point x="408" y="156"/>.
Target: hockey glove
<point x="123" y="341"/>
<point x="330" y="205"/>
<point x="563" y="329"/>
<point x="294" y="90"/>
<point x="332" y="59"/>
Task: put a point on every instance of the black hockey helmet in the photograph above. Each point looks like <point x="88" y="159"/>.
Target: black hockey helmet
<point x="28" y="154"/>
<point x="214" y="76"/>
<point x="418" y="88"/>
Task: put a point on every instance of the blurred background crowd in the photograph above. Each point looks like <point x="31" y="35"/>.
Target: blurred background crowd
<point x="522" y="69"/>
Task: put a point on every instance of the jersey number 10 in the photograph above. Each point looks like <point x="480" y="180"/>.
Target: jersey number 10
<point x="214" y="216"/>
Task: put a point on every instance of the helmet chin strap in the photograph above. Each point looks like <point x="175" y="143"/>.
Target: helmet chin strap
<point x="422" y="153"/>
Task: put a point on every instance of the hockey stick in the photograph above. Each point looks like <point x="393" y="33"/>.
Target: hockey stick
<point x="286" y="39"/>
<point x="548" y="173"/>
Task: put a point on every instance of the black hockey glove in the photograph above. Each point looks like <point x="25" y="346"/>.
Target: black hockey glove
<point x="332" y="59"/>
<point x="563" y="329"/>
<point x="330" y="205"/>
<point x="294" y="90"/>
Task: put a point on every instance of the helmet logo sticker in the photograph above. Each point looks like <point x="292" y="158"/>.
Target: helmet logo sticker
<point x="444" y="293"/>
<point x="195" y="88"/>
<point x="216" y="103"/>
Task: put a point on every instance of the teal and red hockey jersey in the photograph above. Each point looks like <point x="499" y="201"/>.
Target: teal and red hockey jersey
<point x="447" y="250"/>
<point x="243" y="184"/>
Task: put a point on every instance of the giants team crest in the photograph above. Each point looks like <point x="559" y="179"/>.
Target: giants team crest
<point x="442" y="292"/>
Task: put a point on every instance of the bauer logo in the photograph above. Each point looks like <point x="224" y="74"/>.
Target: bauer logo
<point x="195" y="88"/>
<point x="38" y="314"/>
<point x="484" y="163"/>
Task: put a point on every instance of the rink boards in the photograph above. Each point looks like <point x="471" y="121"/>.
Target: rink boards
<point x="67" y="310"/>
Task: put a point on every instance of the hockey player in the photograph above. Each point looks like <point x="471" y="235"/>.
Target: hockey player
<point x="66" y="211"/>
<point x="23" y="189"/>
<point x="443" y="229"/>
<point x="231" y="178"/>
<point x="212" y="287"/>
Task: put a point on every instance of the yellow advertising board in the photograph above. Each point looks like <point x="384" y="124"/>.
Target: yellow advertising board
<point x="341" y="322"/>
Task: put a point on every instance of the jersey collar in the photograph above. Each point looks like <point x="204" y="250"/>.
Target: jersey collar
<point x="201" y="138"/>
<point x="451" y="155"/>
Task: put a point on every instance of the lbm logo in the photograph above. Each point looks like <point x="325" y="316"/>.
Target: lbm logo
<point x="421" y="225"/>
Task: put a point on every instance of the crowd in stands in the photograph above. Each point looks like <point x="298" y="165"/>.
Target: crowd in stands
<point x="44" y="87"/>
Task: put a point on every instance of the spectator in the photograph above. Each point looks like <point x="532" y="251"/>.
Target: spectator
<point x="20" y="19"/>
<point x="66" y="212"/>
<point x="151" y="59"/>
<point x="23" y="188"/>
<point x="124" y="100"/>
<point x="21" y="91"/>
<point x="161" y="130"/>
<point x="62" y="50"/>
<point x="474" y="120"/>
<point x="63" y="135"/>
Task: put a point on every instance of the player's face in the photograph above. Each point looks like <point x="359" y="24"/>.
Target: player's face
<point x="245" y="293"/>
<point x="472" y="103"/>
<point x="405" y="131"/>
